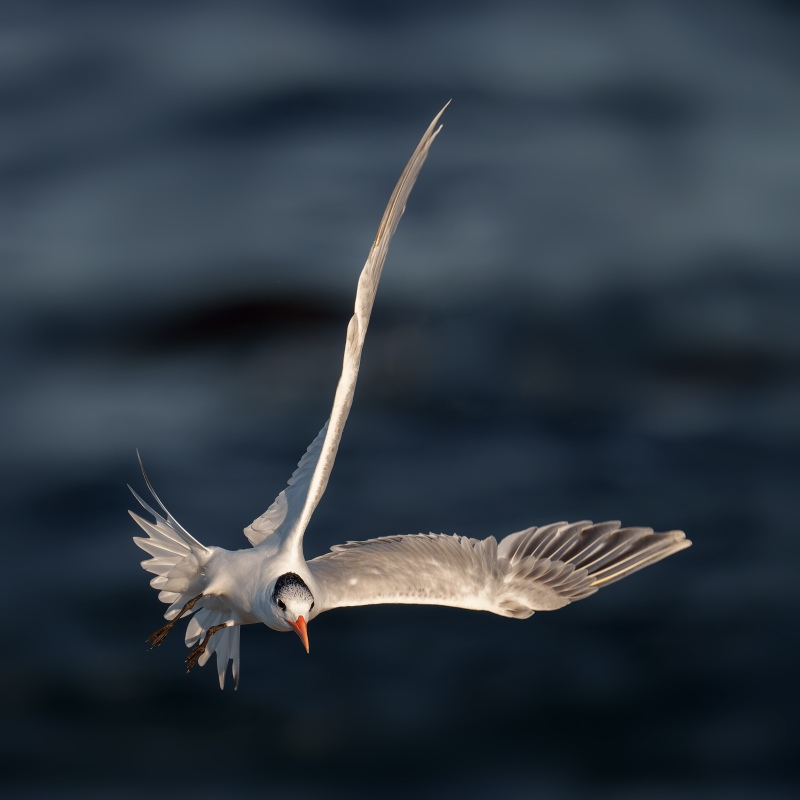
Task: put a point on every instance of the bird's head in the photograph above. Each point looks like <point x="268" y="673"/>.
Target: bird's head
<point x="292" y="604"/>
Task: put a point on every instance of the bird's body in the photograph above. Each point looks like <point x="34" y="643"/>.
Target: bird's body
<point x="538" y="569"/>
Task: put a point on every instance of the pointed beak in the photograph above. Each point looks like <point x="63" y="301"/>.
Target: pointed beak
<point x="300" y="630"/>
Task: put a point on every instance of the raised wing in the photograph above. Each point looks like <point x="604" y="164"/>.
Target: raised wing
<point x="283" y="514"/>
<point x="538" y="569"/>
<point x="289" y="515"/>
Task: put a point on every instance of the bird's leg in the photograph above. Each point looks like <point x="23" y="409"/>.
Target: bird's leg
<point x="156" y="638"/>
<point x="194" y="656"/>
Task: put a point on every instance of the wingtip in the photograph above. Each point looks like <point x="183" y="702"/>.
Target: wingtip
<point x="681" y="540"/>
<point x="434" y="133"/>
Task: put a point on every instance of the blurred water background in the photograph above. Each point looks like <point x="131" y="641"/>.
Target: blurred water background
<point x="590" y="311"/>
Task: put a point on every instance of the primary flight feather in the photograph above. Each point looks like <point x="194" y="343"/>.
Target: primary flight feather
<point x="538" y="569"/>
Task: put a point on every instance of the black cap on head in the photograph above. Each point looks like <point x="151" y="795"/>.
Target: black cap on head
<point x="291" y="585"/>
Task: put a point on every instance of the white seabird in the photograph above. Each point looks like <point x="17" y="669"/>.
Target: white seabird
<point x="538" y="569"/>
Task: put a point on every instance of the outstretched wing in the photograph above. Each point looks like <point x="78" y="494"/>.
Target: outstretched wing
<point x="289" y="515"/>
<point x="538" y="569"/>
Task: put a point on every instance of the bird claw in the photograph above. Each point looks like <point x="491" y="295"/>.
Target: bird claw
<point x="158" y="637"/>
<point x="194" y="657"/>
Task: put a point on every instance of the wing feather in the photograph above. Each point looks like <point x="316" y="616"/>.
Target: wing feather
<point x="538" y="569"/>
<point x="282" y="515"/>
<point x="290" y="514"/>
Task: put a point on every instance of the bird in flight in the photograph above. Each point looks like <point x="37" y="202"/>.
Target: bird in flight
<point x="537" y="569"/>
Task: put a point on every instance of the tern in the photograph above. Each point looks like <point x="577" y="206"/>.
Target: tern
<point x="537" y="569"/>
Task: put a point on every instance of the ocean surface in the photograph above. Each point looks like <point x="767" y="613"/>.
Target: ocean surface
<point x="591" y="310"/>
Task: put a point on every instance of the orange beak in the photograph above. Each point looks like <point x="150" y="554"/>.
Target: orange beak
<point x="300" y="630"/>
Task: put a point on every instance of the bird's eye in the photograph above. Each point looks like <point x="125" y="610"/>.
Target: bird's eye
<point x="281" y="605"/>
<point x="311" y="607"/>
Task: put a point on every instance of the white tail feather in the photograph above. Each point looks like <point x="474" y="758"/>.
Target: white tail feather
<point x="177" y="561"/>
<point x="224" y="643"/>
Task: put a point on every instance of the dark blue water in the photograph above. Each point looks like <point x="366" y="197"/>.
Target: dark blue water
<point x="590" y="311"/>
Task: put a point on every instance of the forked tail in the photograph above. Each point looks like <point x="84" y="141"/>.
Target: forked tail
<point x="177" y="560"/>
